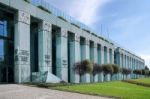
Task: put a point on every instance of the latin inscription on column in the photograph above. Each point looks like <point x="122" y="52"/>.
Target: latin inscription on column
<point x="47" y="59"/>
<point x="87" y="42"/>
<point x="77" y="37"/>
<point x="64" y="33"/>
<point x="24" y="17"/>
<point x="22" y="56"/>
<point x="47" y="26"/>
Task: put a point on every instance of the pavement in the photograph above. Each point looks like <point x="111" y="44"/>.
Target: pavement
<point x="14" y="91"/>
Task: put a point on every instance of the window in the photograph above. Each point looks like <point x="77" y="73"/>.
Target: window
<point x="3" y="28"/>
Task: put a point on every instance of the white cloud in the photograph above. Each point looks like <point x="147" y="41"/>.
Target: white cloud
<point x="83" y="10"/>
<point x="147" y="59"/>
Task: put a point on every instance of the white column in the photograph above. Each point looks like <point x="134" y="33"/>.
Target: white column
<point x="112" y="56"/>
<point x="108" y="55"/>
<point x="61" y="55"/>
<point x="95" y="60"/>
<point x="101" y="75"/>
<point x="22" y="47"/>
<point x="44" y="43"/>
<point x="102" y="54"/>
<point x="87" y="56"/>
<point x="120" y="65"/>
<point x="107" y="77"/>
<point x="74" y="57"/>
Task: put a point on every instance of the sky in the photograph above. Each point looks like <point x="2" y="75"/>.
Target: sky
<point x="126" y="22"/>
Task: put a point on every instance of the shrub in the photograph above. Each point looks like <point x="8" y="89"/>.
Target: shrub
<point x="107" y="69"/>
<point x="126" y="71"/>
<point x="87" y="66"/>
<point x="145" y="72"/>
<point x="97" y="69"/>
<point x="83" y="67"/>
<point x="116" y="69"/>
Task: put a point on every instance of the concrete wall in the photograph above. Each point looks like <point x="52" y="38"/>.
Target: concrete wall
<point x="24" y="12"/>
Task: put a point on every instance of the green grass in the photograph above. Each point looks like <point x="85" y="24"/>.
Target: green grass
<point x="115" y="89"/>
<point x="142" y="80"/>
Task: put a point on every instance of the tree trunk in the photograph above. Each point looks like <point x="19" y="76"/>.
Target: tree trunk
<point x="111" y="77"/>
<point x="80" y="78"/>
<point x="93" y="77"/>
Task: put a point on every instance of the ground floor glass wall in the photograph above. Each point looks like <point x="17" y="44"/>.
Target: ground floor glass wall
<point x="6" y="47"/>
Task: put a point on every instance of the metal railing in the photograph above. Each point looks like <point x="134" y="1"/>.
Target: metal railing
<point x="70" y="19"/>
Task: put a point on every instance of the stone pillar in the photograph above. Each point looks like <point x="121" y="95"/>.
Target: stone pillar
<point x="107" y="61"/>
<point x="95" y="60"/>
<point x="134" y="65"/>
<point x="126" y="61"/>
<point x="101" y="75"/>
<point x="22" y="47"/>
<point x="102" y="54"/>
<point x="44" y="45"/>
<point x="91" y="58"/>
<point x="87" y="56"/>
<point x="112" y="56"/>
<point x="120" y="65"/>
<point x="131" y="68"/>
<point x="108" y="55"/>
<point x="61" y="55"/>
<point x="124" y="64"/>
<point x="74" y="57"/>
<point x="99" y="55"/>
<point x="105" y="55"/>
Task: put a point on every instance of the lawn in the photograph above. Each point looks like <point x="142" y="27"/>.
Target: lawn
<point x="116" y="89"/>
<point x="142" y="80"/>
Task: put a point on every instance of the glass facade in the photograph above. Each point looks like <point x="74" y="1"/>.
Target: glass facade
<point x="34" y="47"/>
<point x="6" y="47"/>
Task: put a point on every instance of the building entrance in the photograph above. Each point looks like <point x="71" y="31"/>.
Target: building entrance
<point x="6" y="47"/>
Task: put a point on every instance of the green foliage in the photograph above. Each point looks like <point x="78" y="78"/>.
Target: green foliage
<point x="107" y="69"/>
<point x="87" y="66"/>
<point x="137" y="72"/>
<point x="119" y="89"/>
<point x="97" y="68"/>
<point x="146" y="68"/>
<point x="145" y="72"/>
<point x="142" y="82"/>
<point x="83" y="67"/>
<point x="116" y="69"/>
<point x="126" y="71"/>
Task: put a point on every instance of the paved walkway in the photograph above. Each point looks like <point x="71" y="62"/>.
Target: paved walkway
<point x="13" y="91"/>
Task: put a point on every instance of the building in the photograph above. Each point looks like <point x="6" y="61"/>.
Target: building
<point x="39" y="41"/>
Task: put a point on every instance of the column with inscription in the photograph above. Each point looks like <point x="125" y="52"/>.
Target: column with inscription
<point x="22" y="47"/>
<point x="61" y="54"/>
<point x="44" y="43"/>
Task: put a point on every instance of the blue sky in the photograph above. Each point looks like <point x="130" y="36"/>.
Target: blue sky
<point x="125" y="21"/>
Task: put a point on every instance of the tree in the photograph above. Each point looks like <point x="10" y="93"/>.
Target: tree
<point x="83" y="67"/>
<point x="126" y="72"/>
<point x="145" y="72"/>
<point x="146" y="68"/>
<point x="107" y="69"/>
<point x="96" y="69"/>
<point x="137" y="72"/>
<point x="116" y="69"/>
